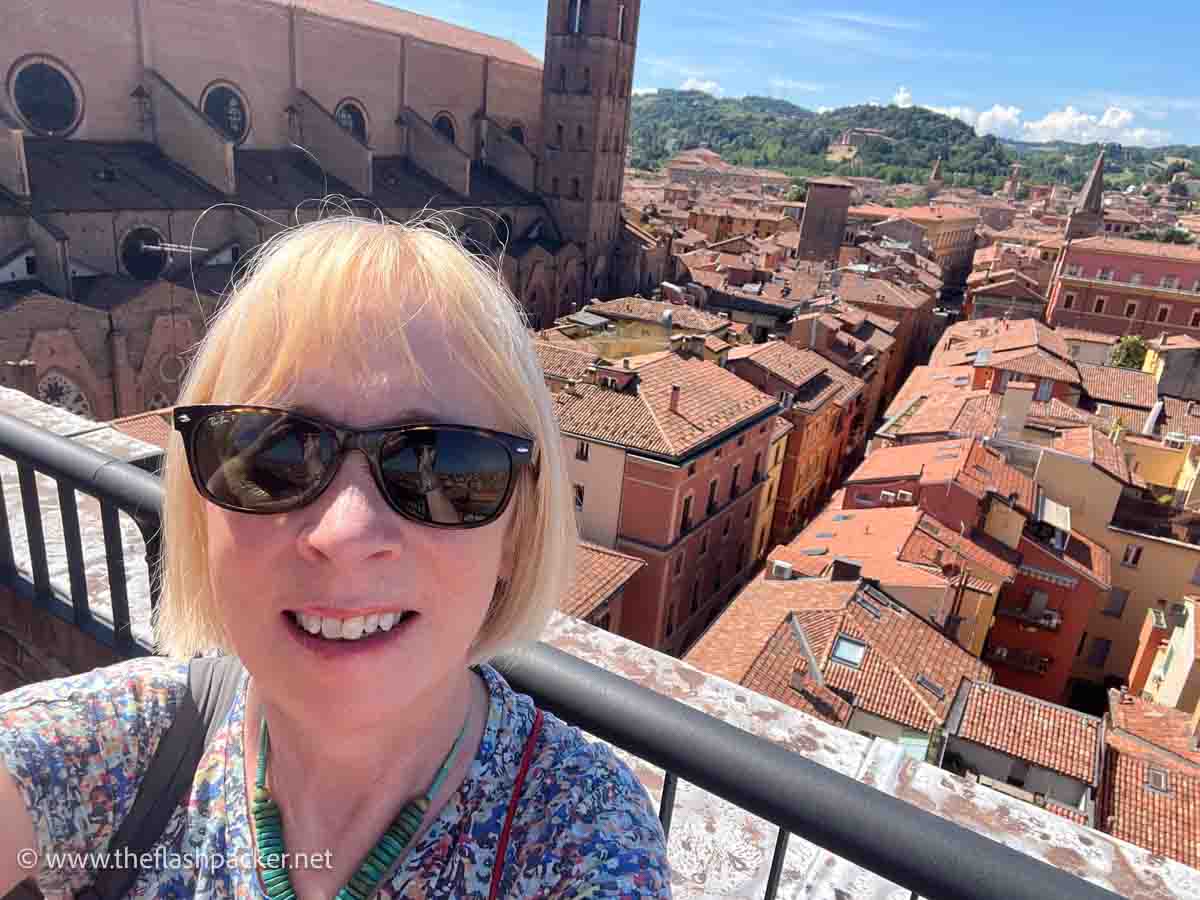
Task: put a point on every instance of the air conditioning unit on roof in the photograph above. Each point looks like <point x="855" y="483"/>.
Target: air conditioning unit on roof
<point x="781" y="571"/>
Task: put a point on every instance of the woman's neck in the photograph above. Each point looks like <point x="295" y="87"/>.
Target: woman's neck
<point x="338" y="790"/>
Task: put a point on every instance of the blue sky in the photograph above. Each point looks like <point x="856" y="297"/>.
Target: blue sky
<point x="1034" y="71"/>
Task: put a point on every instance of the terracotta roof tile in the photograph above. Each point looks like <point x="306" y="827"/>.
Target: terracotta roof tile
<point x="562" y="362"/>
<point x="1180" y="415"/>
<point x="1033" y="730"/>
<point x="1111" y="384"/>
<point x="1143" y="737"/>
<point x="930" y="536"/>
<point x="599" y="573"/>
<point x="1087" y="337"/>
<point x="752" y="644"/>
<point x="400" y="21"/>
<point x="997" y="335"/>
<point x="1092" y="445"/>
<point x="642" y="310"/>
<point x="712" y="400"/>
<point x="815" y="379"/>
<point x="153" y="427"/>
<point x="1128" y="246"/>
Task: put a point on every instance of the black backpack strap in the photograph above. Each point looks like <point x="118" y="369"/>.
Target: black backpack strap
<point x="212" y="687"/>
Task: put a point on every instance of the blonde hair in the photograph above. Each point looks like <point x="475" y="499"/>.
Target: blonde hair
<point x="334" y="283"/>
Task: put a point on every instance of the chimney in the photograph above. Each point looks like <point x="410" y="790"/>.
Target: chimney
<point x="674" y="398"/>
<point x="1014" y="407"/>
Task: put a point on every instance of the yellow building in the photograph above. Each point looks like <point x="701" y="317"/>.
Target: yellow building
<point x="767" y="497"/>
<point x="1154" y="547"/>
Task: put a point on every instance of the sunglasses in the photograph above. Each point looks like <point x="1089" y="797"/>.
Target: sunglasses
<point x="264" y="461"/>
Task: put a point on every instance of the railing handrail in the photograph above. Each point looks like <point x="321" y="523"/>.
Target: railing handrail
<point x="129" y="488"/>
<point x="905" y="844"/>
<point x="932" y="856"/>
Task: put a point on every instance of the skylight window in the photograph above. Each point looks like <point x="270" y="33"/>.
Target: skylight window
<point x="1157" y="780"/>
<point x="849" y="651"/>
<point x="932" y="686"/>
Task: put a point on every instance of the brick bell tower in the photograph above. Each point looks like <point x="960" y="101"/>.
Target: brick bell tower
<point x="587" y="80"/>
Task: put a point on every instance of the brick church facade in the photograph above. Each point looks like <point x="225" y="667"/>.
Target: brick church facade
<point x="146" y="145"/>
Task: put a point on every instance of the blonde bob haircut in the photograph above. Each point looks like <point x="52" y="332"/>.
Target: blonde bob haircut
<point x="333" y="284"/>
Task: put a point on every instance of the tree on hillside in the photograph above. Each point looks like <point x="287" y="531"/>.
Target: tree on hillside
<point x="1130" y="352"/>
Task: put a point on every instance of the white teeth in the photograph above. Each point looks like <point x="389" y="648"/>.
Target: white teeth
<point x="347" y="629"/>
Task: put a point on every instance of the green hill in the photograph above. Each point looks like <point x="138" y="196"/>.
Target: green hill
<point x="764" y="131"/>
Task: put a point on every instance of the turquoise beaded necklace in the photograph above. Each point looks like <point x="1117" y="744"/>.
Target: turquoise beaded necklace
<point x="268" y="825"/>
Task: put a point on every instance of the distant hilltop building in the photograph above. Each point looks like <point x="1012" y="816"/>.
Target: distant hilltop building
<point x="846" y="147"/>
<point x="154" y="141"/>
<point x="703" y="168"/>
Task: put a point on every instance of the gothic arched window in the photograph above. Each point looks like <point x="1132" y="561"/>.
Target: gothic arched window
<point x="579" y="136"/>
<point x="575" y="195"/>
<point x="558" y="130"/>
<point x="587" y="80"/>
<point x="554" y="185"/>
<point x="350" y="116"/>
<point x="445" y="126"/>
<point x="226" y="108"/>
<point x="562" y="79"/>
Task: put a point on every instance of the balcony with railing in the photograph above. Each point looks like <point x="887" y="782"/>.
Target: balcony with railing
<point x="1018" y="658"/>
<point x="1048" y="619"/>
<point x="758" y="800"/>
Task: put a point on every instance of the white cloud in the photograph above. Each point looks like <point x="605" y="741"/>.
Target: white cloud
<point x="821" y="110"/>
<point x="791" y="86"/>
<point x="1116" y="123"/>
<point x="1071" y="124"/>
<point x="708" y="86"/>
<point x="641" y="92"/>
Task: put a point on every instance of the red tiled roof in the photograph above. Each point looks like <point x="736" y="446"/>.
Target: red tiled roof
<point x="1087" y="443"/>
<point x="858" y="290"/>
<point x="1036" y="362"/>
<point x="1130" y="247"/>
<point x="1180" y="415"/>
<point x="1033" y="730"/>
<point x="1089" y="337"/>
<point x="1128" y="809"/>
<point x="562" y="362"/>
<point x="933" y="544"/>
<point x="815" y="379"/>
<point x="1112" y="384"/>
<point x="1083" y="555"/>
<point x="599" y="573"/>
<point x="900" y="648"/>
<point x="652" y="311"/>
<point x="997" y="335"/>
<point x="712" y="400"/>
<point x="400" y="21"/>
<point x="153" y="427"/>
<point x="938" y="213"/>
<point x="1145" y="736"/>
<point x="1175" y="342"/>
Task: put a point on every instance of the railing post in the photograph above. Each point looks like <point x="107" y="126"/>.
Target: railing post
<point x="36" y="535"/>
<point x="8" y="563"/>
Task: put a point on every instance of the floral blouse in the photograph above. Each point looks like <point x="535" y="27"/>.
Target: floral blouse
<point x="78" y="748"/>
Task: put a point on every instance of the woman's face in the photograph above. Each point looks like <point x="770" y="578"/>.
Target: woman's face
<point x="348" y="555"/>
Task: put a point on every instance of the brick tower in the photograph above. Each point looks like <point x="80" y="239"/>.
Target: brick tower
<point x="586" y="85"/>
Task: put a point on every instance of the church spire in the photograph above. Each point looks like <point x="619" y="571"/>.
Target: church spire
<point x="1091" y="200"/>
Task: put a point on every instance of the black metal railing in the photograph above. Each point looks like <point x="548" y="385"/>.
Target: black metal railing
<point x="931" y="856"/>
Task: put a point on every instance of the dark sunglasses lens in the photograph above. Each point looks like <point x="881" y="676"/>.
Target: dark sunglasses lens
<point x="446" y="477"/>
<point x="263" y="461"/>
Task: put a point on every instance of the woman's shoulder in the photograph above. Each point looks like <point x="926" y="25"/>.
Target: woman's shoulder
<point x="130" y="687"/>
<point x="587" y="816"/>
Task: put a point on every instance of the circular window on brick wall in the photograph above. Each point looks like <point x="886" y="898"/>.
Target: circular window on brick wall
<point x="226" y="108"/>
<point x="140" y="255"/>
<point x="57" y="389"/>
<point x="350" y="116"/>
<point x="46" y="95"/>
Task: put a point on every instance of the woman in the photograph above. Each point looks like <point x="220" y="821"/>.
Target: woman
<point x="364" y="593"/>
